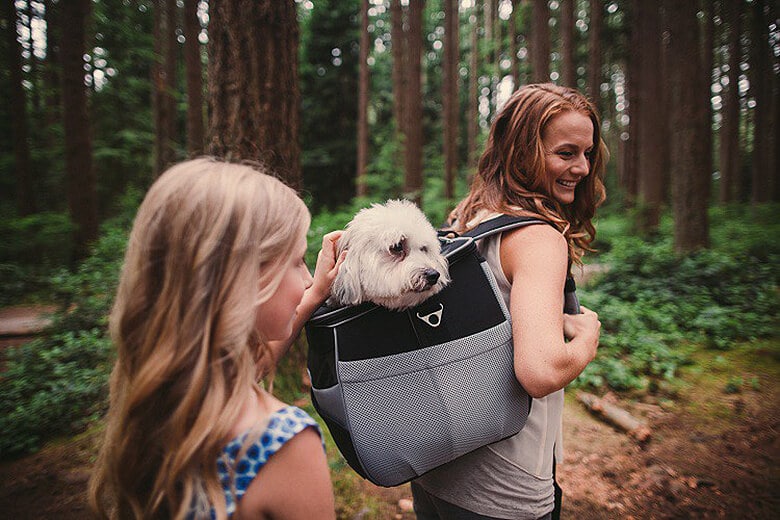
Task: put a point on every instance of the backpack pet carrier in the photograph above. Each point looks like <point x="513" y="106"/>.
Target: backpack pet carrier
<point x="405" y="392"/>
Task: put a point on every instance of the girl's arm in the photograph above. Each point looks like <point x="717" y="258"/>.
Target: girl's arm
<point x="324" y="274"/>
<point x="535" y="261"/>
<point x="294" y="484"/>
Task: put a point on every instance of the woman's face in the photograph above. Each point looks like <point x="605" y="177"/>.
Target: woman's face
<point x="568" y="142"/>
<point x="275" y="316"/>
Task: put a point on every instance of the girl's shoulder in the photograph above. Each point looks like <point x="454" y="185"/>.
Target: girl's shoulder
<point x="244" y="456"/>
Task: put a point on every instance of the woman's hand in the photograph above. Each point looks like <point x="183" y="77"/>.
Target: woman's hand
<point x="586" y="327"/>
<point x="327" y="266"/>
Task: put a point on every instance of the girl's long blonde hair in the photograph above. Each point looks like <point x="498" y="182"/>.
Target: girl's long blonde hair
<point x="511" y="176"/>
<point x="207" y="246"/>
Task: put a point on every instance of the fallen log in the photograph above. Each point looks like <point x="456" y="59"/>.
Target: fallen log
<point x="616" y="416"/>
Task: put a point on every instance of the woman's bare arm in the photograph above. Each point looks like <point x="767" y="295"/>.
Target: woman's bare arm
<point x="534" y="260"/>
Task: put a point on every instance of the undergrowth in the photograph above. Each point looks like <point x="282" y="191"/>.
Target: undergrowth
<point x="656" y="308"/>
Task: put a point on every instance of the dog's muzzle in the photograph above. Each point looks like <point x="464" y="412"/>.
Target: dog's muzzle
<point x="427" y="279"/>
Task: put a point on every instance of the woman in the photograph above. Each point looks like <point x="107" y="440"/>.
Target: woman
<point x="213" y="290"/>
<point x="544" y="158"/>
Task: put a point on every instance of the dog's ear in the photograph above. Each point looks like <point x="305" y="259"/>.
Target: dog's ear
<point x="346" y="288"/>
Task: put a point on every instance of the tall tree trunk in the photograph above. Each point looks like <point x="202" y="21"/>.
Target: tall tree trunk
<point x="25" y="200"/>
<point x="775" y="144"/>
<point x="361" y="189"/>
<point x="729" y="127"/>
<point x="706" y="49"/>
<point x="568" y="71"/>
<point x="594" y="51"/>
<point x="163" y="86"/>
<point x="773" y="86"/>
<point x="398" y="42"/>
<point x="628" y="166"/>
<point x="651" y="119"/>
<point x="472" y="119"/>
<point x="80" y="177"/>
<point x="498" y="51"/>
<point x="450" y="97"/>
<point x="515" y="70"/>
<point x="487" y="19"/>
<point x="761" y="72"/>
<point x="170" y="63"/>
<point x="540" y="42"/>
<point x="413" y="182"/>
<point x="690" y="183"/>
<point x="253" y="84"/>
<point x="52" y="79"/>
<point x="192" y="62"/>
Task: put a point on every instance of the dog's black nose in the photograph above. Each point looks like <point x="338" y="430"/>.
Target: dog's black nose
<point x="431" y="276"/>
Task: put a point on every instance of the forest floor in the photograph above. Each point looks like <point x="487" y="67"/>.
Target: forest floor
<point x="714" y="453"/>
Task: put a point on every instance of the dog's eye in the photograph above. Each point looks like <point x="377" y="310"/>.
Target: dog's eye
<point x="424" y="249"/>
<point x="397" y="249"/>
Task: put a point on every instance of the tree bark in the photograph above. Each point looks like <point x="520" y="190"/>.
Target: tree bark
<point x="595" y="59"/>
<point x="80" y="177"/>
<point x="472" y="127"/>
<point x="413" y="182"/>
<point x="362" y="123"/>
<point x="705" y="89"/>
<point x="253" y="84"/>
<point x="690" y="183"/>
<point x="163" y="87"/>
<point x="761" y="73"/>
<point x="540" y="42"/>
<point x="628" y="163"/>
<point x="398" y="42"/>
<point x="25" y="199"/>
<point x="52" y="79"/>
<point x="194" y="67"/>
<point x="729" y="127"/>
<point x="568" y="71"/>
<point x="450" y="97"/>
<point x="616" y="416"/>
<point x="651" y="119"/>
<point x="515" y="70"/>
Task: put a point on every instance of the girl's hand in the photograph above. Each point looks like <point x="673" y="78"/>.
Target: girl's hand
<point x="585" y="326"/>
<point x="327" y="266"/>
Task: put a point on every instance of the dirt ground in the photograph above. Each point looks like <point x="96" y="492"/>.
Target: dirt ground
<point x="714" y="453"/>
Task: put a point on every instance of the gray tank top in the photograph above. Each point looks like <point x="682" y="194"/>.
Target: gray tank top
<point x="512" y="478"/>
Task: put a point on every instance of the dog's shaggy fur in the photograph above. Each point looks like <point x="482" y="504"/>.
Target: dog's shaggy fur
<point x="393" y="258"/>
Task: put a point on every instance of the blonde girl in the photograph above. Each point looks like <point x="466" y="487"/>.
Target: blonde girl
<point x="545" y="158"/>
<point x="213" y="290"/>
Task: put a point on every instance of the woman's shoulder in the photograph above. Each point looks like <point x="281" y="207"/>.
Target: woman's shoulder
<point x="538" y="250"/>
<point x="541" y="235"/>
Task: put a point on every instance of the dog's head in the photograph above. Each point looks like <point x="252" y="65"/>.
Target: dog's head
<point x="394" y="258"/>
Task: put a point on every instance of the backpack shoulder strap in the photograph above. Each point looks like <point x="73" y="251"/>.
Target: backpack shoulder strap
<point x="499" y="225"/>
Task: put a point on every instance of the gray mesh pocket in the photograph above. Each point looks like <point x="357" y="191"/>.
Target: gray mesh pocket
<point x="430" y="413"/>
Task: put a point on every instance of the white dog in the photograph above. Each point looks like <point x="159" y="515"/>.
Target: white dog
<point x="393" y="258"/>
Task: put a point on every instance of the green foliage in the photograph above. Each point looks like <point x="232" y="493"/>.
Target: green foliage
<point x="39" y="239"/>
<point x="31" y="247"/>
<point x="55" y="385"/>
<point x="655" y="305"/>
<point x="50" y="386"/>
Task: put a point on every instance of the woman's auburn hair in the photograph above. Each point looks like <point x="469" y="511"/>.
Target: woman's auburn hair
<point x="208" y="245"/>
<point x="511" y="176"/>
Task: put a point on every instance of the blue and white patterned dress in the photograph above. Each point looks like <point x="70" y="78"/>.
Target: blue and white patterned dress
<point x="282" y="426"/>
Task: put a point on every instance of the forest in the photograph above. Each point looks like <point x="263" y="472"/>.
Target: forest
<point x="358" y="101"/>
